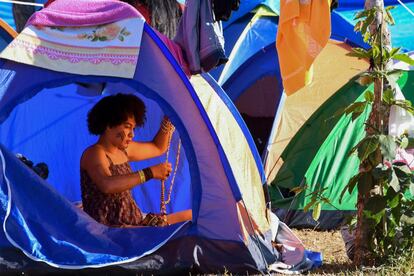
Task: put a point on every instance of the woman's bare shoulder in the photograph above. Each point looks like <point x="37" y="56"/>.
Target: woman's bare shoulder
<point x="92" y="154"/>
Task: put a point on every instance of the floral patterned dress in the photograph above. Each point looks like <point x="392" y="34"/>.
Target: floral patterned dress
<point x="117" y="209"/>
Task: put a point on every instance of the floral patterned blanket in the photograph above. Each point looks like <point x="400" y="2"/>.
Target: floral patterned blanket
<point x="83" y="38"/>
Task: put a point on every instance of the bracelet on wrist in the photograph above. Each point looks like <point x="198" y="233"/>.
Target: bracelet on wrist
<point x="148" y="173"/>
<point x="141" y="175"/>
<point x="167" y="126"/>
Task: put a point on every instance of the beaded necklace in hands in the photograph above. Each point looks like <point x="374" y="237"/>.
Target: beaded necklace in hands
<point x="168" y="127"/>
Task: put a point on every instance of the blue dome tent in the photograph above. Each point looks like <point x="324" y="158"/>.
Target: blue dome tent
<point x="42" y="115"/>
<point x="6" y="34"/>
<point x="6" y="14"/>
<point x="251" y="77"/>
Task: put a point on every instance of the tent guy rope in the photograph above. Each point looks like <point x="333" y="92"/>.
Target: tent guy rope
<point x="22" y="3"/>
<point x="405" y="6"/>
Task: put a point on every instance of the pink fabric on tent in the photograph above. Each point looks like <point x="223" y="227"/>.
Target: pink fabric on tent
<point x="93" y="12"/>
<point x="176" y="51"/>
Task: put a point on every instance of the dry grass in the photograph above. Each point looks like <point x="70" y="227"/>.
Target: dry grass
<point x="335" y="261"/>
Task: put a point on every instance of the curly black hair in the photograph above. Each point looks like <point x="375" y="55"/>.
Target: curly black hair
<point x="113" y="110"/>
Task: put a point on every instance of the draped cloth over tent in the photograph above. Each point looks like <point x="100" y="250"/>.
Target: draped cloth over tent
<point x="105" y="40"/>
<point x="304" y="29"/>
<point x="221" y="184"/>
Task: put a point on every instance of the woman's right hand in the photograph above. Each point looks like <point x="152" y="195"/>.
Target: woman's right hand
<point x="161" y="171"/>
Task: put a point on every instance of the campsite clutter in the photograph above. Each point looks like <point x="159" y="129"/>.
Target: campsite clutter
<point x="295" y="135"/>
<point x="244" y="153"/>
<point x="232" y="227"/>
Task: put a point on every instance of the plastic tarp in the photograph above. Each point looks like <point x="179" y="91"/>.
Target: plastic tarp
<point x="401" y="33"/>
<point x="6" y="14"/>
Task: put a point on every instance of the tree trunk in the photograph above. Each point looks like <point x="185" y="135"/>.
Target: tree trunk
<point x="378" y="119"/>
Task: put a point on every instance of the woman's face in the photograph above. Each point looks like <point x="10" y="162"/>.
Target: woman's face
<point x="123" y="134"/>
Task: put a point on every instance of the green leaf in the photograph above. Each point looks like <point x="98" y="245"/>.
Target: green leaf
<point x="376" y="217"/>
<point x="369" y="96"/>
<point x="394" y="201"/>
<point x="387" y="146"/>
<point x="368" y="146"/>
<point x="359" y="53"/>
<point x="375" y="51"/>
<point x="412" y="189"/>
<point x="394" y="51"/>
<point x="121" y="38"/>
<point x="316" y="213"/>
<point x="365" y="26"/>
<point x="405" y="58"/>
<point x="388" y="96"/>
<point x="388" y="8"/>
<point x="365" y="80"/>
<point x="375" y="204"/>
<point x="310" y="204"/>
<point x="95" y="38"/>
<point x="392" y="78"/>
<point x="404" y="143"/>
<point x="355" y="115"/>
<point x="361" y="14"/>
<point x="405" y="104"/>
<point x="408" y="220"/>
<point x="381" y="172"/>
<point x="358" y="25"/>
<point x="394" y="183"/>
<point x="356" y="107"/>
<point x="349" y="187"/>
<point x="403" y="173"/>
<point x="298" y="190"/>
<point x="102" y="38"/>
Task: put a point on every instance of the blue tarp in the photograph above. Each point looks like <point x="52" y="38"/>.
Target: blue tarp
<point x="401" y="33"/>
<point x="6" y="14"/>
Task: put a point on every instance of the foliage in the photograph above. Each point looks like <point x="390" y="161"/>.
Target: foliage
<point x="390" y="211"/>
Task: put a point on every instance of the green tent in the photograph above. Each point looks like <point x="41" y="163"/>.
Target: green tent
<point x="317" y="157"/>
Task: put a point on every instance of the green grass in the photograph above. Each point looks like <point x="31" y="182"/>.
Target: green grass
<point x="404" y="265"/>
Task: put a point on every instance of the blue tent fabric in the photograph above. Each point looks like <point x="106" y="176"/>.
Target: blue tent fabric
<point x="6" y="14"/>
<point x="247" y="6"/>
<point x="401" y="33"/>
<point x="253" y="43"/>
<point x="81" y="241"/>
<point x="5" y="38"/>
<point x="357" y="4"/>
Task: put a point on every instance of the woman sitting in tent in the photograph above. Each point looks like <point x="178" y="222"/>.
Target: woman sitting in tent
<point x="106" y="176"/>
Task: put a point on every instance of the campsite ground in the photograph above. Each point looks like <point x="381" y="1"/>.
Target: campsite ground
<point x="335" y="261"/>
